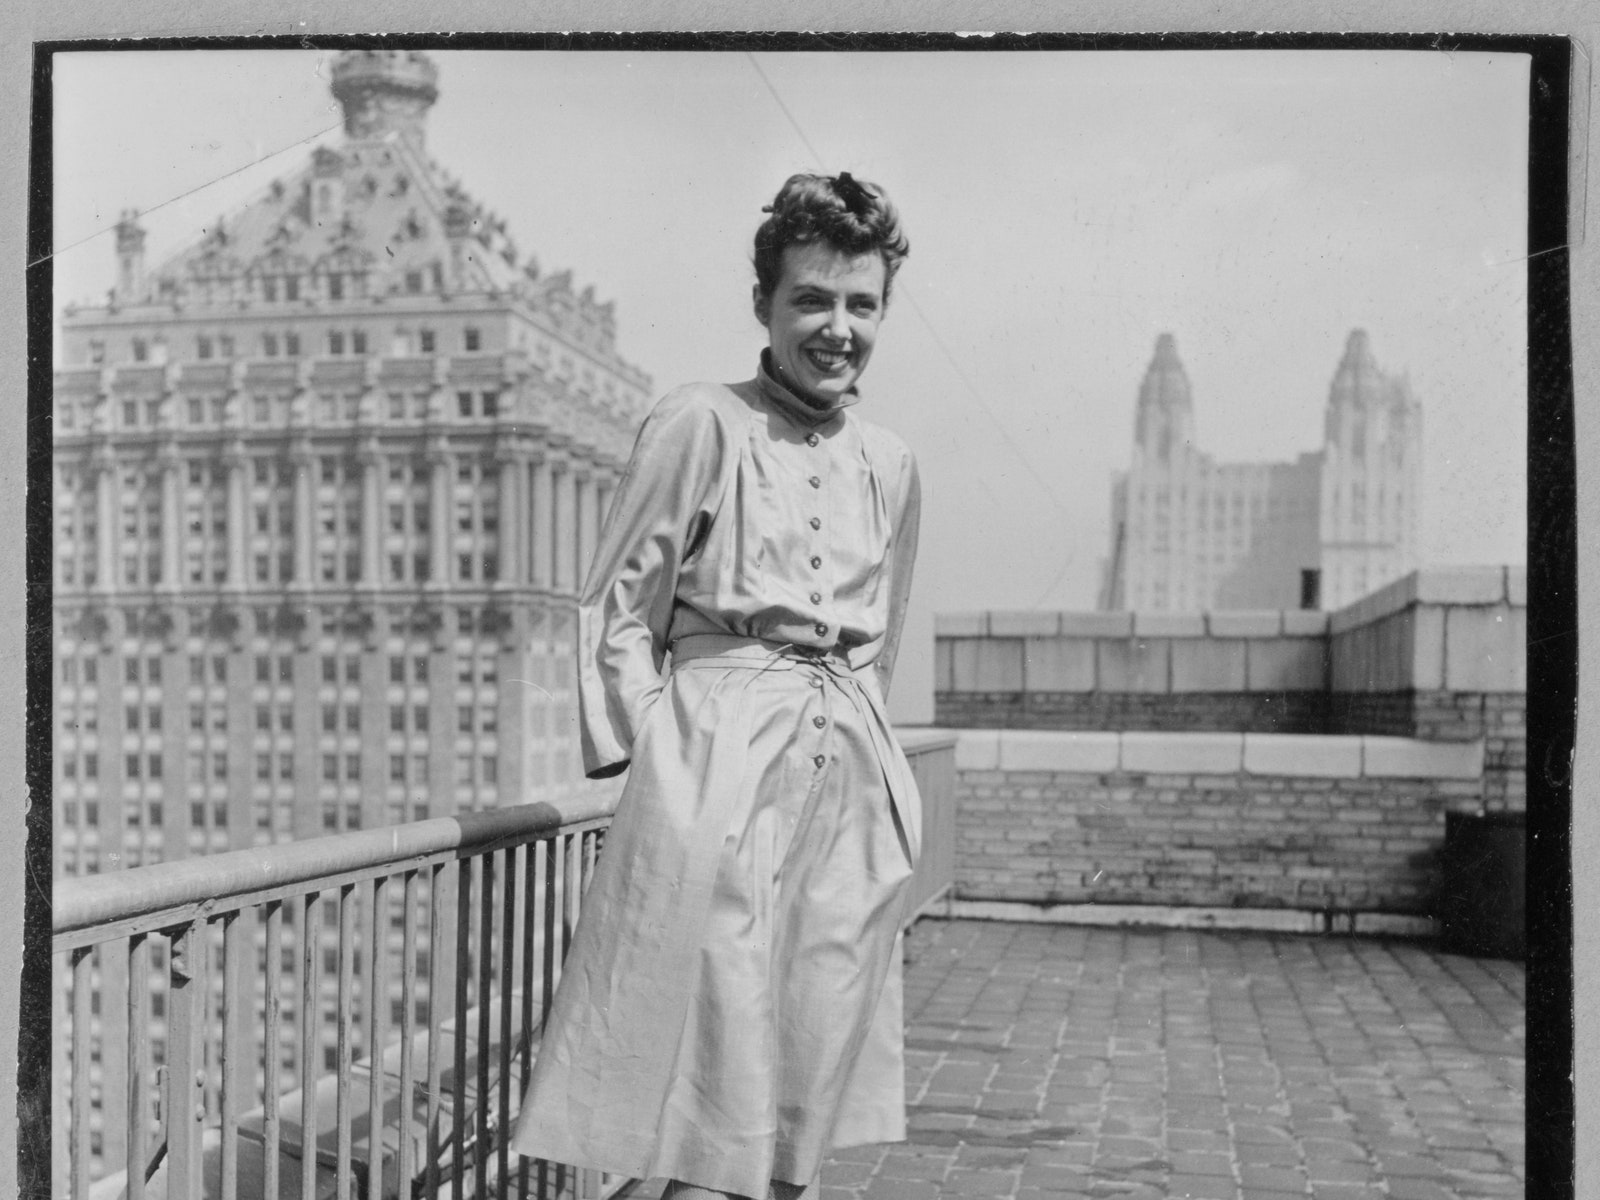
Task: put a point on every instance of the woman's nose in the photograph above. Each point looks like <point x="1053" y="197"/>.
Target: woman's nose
<point x="839" y="324"/>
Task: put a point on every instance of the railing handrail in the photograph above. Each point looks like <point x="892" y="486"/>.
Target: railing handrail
<point x="85" y="902"/>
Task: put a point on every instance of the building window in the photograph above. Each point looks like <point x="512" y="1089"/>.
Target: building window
<point x="330" y="768"/>
<point x="413" y="281"/>
<point x="419" y="718"/>
<point x="97" y="352"/>
<point x="269" y="345"/>
<point x="141" y="350"/>
<point x="202" y="346"/>
<point x="425" y="341"/>
<point x="489" y="402"/>
<point x="358" y="342"/>
<point x="335" y="342"/>
<point x="225" y="346"/>
<point x="291" y="287"/>
<point x="472" y="339"/>
<point x="291" y="345"/>
<point x="330" y="719"/>
<point x="335" y="287"/>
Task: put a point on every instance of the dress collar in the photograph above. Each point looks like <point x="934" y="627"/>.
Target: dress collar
<point x="800" y="411"/>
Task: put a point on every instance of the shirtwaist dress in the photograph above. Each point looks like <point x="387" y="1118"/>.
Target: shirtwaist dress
<point x="730" y="1008"/>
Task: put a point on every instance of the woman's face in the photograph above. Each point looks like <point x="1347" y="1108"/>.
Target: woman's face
<point x="822" y="318"/>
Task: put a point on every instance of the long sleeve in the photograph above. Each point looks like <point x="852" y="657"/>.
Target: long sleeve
<point x="625" y="610"/>
<point x="901" y="559"/>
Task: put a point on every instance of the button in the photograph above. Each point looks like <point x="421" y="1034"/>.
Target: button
<point x="822" y="630"/>
<point x="816" y="561"/>
<point x="821" y="760"/>
<point x="816" y="681"/>
<point x="816" y="597"/>
<point x="816" y="522"/>
<point x="812" y="439"/>
<point x="819" y="722"/>
<point x="814" y="481"/>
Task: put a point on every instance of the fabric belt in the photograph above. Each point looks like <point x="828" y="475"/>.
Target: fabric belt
<point x="751" y="653"/>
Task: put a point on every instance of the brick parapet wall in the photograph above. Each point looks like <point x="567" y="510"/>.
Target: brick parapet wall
<point x="1357" y="844"/>
<point x="1244" y="712"/>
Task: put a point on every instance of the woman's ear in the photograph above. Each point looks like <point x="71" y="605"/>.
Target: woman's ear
<point x="761" y="304"/>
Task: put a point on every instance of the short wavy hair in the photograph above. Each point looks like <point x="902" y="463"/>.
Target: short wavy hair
<point x="849" y="214"/>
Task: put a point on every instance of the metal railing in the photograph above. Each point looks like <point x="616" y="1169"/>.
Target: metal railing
<point x="353" y="1015"/>
<point x="458" y="925"/>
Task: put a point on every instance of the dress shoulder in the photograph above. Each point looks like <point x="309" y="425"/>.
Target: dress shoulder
<point x="699" y="403"/>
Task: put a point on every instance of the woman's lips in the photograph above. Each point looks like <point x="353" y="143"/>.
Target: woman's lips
<point x="828" y="360"/>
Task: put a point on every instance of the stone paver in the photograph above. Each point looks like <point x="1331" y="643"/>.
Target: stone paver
<point x="1109" y="1064"/>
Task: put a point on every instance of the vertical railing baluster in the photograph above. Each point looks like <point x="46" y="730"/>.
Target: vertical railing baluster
<point x="310" y="1038"/>
<point x="271" y="1037"/>
<point x="231" y="950"/>
<point x="458" y="1114"/>
<point x="550" y="964"/>
<point x="406" y="1166"/>
<point x="377" y="996"/>
<point x="436" y="919"/>
<point x="186" y="1014"/>
<point x="573" y="891"/>
<point x="138" y="1063"/>
<point x="530" y="861"/>
<point x="344" y="1039"/>
<point x="507" y="944"/>
<point x="80" y="1150"/>
<point x="483" y="1110"/>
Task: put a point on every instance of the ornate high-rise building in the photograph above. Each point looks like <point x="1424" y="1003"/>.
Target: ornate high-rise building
<point x="326" y="482"/>
<point x="1193" y="534"/>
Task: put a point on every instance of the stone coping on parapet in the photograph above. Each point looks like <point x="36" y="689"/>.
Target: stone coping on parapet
<point x="1455" y="586"/>
<point x="1281" y="755"/>
<point x="1452" y="586"/>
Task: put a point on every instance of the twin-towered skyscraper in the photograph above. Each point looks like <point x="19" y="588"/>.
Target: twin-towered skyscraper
<point x="1190" y="534"/>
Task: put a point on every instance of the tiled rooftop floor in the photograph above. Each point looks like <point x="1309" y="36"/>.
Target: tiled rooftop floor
<point x="1049" y="1061"/>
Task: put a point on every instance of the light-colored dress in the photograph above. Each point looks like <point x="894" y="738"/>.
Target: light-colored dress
<point x="731" y="1006"/>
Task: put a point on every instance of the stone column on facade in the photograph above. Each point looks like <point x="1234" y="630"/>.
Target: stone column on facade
<point x="303" y="464"/>
<point x="541" y="542"/>
<point x="238" y="523"/>
<point x="583" y="519"/>
<point x="372" y="466"/>
<point x="171" y="517"/>
<point x="441" y="489"/>
<point x="106" y="481"/>
<point x="512" y="478"/>
<point x="564" y="517"/>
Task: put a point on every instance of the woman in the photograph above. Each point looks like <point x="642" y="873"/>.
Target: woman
<point x="730" y="1007"/>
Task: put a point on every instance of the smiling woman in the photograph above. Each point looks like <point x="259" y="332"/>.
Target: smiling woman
<point x="731" y="1007"/>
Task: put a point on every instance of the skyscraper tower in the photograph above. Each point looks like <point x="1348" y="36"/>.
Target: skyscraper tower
<point x="326" y="482"/>
<point x="1192" y="534"/>
<point x="1370" y="475"/>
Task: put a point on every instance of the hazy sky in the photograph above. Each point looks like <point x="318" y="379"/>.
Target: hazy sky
<point x="1063" y="209"/>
